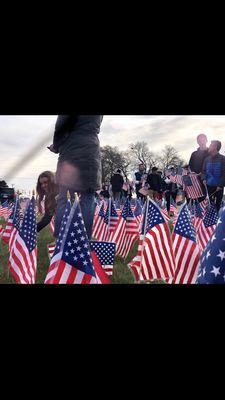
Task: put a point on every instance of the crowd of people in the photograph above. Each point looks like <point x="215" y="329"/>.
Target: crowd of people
<point x="76" y="142"/>
<point x="206" y="163"/>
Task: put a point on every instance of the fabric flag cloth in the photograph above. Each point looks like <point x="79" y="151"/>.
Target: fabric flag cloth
<point x="6" y="233"/>
<point x="52" y="225"/>
<point x="13" y="223"/>
<point x="155" y="259"/>
<point x="51" y="250"/>
<point x="181" y="172"/>
<point x="105" y="251"/>
<point x="72" y="262"/>
<point x="5" y="210"/>
<point x="185" y="249"/>
<point x="111" y="220"/>
<point x="207" y="227"/>
<point x="1" y="230"/>
<point x="212" y="265"/>
<point x="138" y="212"/>
<point x="99" y="226"/>
<point x="23" y="247"/>
<point x="198" y="215"/>
<point x="126" y="232"/>
<point x="192" y="186"/>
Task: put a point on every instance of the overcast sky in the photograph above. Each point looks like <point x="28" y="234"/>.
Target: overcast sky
<point x="20" y="134"/>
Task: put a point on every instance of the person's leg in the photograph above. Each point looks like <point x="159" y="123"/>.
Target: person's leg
<point x="211" y="192"/>
<point x="60" y="209"/>
<point x="219" y="198"/>
<point x="167" y="196"/>
<point x="87" y="204"/>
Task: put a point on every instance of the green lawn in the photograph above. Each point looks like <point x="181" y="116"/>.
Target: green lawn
<point x="121" y="274"/>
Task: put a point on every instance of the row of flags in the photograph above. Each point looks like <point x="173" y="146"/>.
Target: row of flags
<point x="175" y="258"/>
<point x="189" y="182"/>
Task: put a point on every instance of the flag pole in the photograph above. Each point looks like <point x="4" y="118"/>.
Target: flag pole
<point x="144" y="237"/>
<point x="14" y="213"/>
<point x="110" y="208"/>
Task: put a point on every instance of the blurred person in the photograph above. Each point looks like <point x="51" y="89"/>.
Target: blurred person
<point x="138" y="180"/>
<point x="154" y="183"/>
<point x="214" y="173"/>
<point x="117" y="182"/>
<point x="47" y="192"/>
<point x="198" y="157"/>
<point x="79" y="165"/>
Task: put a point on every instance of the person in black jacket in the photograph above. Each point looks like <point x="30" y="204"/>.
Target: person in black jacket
<point x="117" y="182"/>
<point x="198" y="157"/>
<point x="47" y="191"/>
<point x="214" y="173"/>
<point x="79" y="165"/>
<point x="154" y="181"/>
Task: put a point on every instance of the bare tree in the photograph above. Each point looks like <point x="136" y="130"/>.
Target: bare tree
<point x="169" y="156"/>
<point x="140" y="153"/>
<point x="112" y="159"/>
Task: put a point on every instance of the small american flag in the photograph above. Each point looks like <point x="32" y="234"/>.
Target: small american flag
<point x="13" y="223"/>
<point x="105" y="252"/>
<point x="207" y="227"/>
<point x="111" y="220"/>
<point x="192" y="186"/>
<point x="212" y="267"/>
<point x="72" y="262"/>
<point x="185" y="249"/>
<point x="138" y="212"/>
<point x="126" y="232"/>
<point x="23" y="248"/>
<point x="157" y="259"/>
<point x="99" y="226"/>
<point x="5" y="210"/>
<point x="198" y="215"/>
<point x="52" y="225"/>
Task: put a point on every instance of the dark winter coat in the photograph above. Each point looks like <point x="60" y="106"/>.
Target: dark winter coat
<point x="117" y="182"/>
<point x="197" y="160"/>
<point x="76" y="140"/>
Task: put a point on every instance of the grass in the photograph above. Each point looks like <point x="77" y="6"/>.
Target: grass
<point x="121" y="273"/>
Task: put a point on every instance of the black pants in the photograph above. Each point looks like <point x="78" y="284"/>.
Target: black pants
<point x="168" y="195"/>
<point x="217" y="197"/>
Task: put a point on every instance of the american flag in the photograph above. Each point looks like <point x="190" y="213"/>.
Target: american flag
<point x="205" y="205"/>
<point x="192" y="186"/>
<point x="126" y="232"/>
<point x="207" y="227"/>
<point x="111" y="220"/>
<point x="181" y="172"/>
<point x="13" y="223"/>
<point x="185" y="249"/>
<point x="5" y="210"/>
<point x="1" y="230"/>
<point x="105" y="252"/>
<point x="118" y="207"/>
<point x="52" y="225"/>
<point x="6" y="233"/>
<point x="198" y="215"/>
<point x="212" y="266"/>
<point x="53" y="248"/>
<point x="72" y="262"/>
<point x="156" y="260"/>
<point x="23" y="247"/>
<point x="138" y="212"/>
<point x="99" y="226"/>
